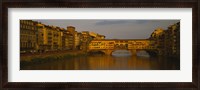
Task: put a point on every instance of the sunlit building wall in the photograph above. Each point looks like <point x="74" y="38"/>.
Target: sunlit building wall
<point x="69" y="40"/>
<point x="172" y="40"/>
<point x="49" y="38"/>
<point x="101" y="37"/>
<point x="96" y="36"/>
<point x="140" y="44"/>
<point x="55" y="38"/>
<point x="78" y="40"/>
<point x="41" y="38"/>
<point x="121" y="44"/>
<point x="28" y="32"/>
<point x="158" y="37"/>
<point x="99" y="44"/>
<point x="86" y="39"/>
<point x="60" y="38"/>
<point x="167" y="41"/>
<point x="72" y="38"/>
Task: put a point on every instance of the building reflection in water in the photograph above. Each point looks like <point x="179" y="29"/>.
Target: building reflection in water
<point x="105" y="62"/>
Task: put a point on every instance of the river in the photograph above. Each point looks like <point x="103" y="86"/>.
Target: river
<point x="106" y="62"/>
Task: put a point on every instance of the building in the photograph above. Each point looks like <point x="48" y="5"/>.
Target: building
<point x="158" y="37"/>
<point x="101" y="37"/>
<point x="60" y="35"/>
<point x="121" y="44"/>
<point x="167" y="41"/>
<point x="141" y="44"/>
<point x="38" y="37"/>
<point x="70" y="38"/>
<point x="50" y="38"/>
<point x="107" y="46"/>
<point x="41" y="38"/>
<point x="28" y="31"/>
<point x="86" y="39"/>
<point x="99" y="44"/>
<point x="78" y="40"/>
<point x="172" y="40"/>
<point x="118" y="44"/>
<point x="56" y="36"/>
<point x="96" y="36"/>
<point x="62" y="39"/>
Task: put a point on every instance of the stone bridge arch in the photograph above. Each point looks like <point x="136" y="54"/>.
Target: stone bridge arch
<point x="110" y="51"/>
<point x="96" y="51"/>
<point x="109" y="45"/>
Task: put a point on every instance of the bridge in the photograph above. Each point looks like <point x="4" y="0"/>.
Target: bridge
<point x="133" y="45"/>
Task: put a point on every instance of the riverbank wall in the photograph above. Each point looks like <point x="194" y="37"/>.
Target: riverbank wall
<point x="38" y="58"/>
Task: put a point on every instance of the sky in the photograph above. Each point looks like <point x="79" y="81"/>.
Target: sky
<point x="113" y="29"/>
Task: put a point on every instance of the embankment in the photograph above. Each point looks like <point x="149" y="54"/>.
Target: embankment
<point x="39" y="58"/>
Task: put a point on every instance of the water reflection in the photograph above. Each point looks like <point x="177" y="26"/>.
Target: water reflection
<point x="120" y="53"/>
<point x="109" y="63"/>
<point x="142" y="54"/>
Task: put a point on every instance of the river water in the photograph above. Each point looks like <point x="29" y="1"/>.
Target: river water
<point x="106" y="62"/>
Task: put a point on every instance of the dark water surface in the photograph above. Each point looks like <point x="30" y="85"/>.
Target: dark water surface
<point x="104" y="62"/>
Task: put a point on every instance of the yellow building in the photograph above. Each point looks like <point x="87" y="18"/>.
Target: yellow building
<point x="78" y="40"/>
<point x="55" y="38"/>
<point x="167" y="41"/>
<point x="93" y="34"/>
<point x="50" y="38"/>
<point x="28" y="32"/>
<point x="141" y="44"/>
<point x="44" y="38"/>
<point x="96" y="36"/>
<point x="60" y="38"/>
<point x="158" y="37"/>
<point x="70" y="37"/>
<point x="73" y="38"/>
<point x="102" y="44"/>
<point x="172" y="40"/>
<point x="101" y="37"/>
<point x="71" y="29"/>
<point x="41" y="38"/>
<point x="121" y="44"/>
<point x="63" y="36"/>
<point x="86" y="38"/>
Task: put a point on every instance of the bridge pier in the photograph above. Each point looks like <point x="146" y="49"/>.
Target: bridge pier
<point x="133" y="51"/>
<point x="108" y="52"/>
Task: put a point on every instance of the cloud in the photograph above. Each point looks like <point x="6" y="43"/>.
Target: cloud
<point x="141" y="21"/>
<point x="110" y="22"/>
